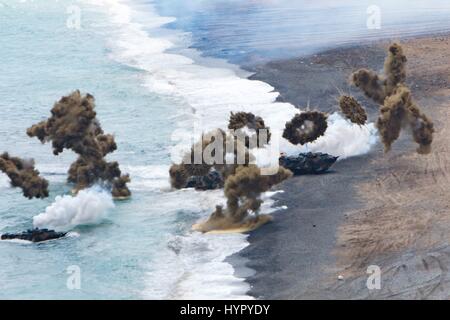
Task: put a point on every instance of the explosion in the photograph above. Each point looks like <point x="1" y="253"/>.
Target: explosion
<point x="243" y="191"/>
<point x="398" y="110"/>
<point x="241" y="120"/>
<point x="73" y="125"/>
<point x="352" y="110"/>
<point x="23" y="175"/>
<point x="221" y="156"/>
<point x="305" y="127"/>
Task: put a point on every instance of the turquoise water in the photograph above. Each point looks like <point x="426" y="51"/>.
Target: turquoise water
<point x="41" y="60"/>
<point x="148" y="84"/>
<point x="144" y="248"/>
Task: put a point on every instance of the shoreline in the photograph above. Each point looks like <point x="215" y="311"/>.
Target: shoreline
<point x="301" y="253"/>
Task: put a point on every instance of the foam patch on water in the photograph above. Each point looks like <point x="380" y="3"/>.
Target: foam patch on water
<point x="72" y="234"/>
<point x="193" y="265"/>
<point x="205" y="274"/>
<point x="152" y="177"/>
<point x="89" y="206"/>
<point x="17" y="241"/>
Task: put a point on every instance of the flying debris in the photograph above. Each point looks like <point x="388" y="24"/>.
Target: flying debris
<point x="243" y="191"/>
<point x="34" y="235"/>
<point x="352" y="110"/>
<point x="23" y="175"/>
<point x="398" y="110"/>
<point x="73" y="125"/>
<point x="308" y="163"/>
<point x="247" y="120"/>
<point x="305" y="127"/>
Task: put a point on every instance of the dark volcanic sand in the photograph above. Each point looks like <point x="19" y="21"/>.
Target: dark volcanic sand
<point x="331" y="227"/>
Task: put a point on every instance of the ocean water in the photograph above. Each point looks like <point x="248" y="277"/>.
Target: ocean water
<point x="156" y="78"/>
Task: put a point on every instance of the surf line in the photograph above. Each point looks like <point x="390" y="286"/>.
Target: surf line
<point x="240" y="309"/>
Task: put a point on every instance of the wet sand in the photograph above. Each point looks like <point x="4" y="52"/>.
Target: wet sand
<point x="391" y="210"/>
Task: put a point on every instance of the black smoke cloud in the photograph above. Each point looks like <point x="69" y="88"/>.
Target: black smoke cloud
<point x="305" y="127"/>
<point x="398" y="110"/>
<point x="243" y="191"/>
<point x="190" y="167"/>
<point x="23" y="175"/>
<point x="73" y="125"/>
<point x="240" y="120"/>
<point x="352" y="110"/>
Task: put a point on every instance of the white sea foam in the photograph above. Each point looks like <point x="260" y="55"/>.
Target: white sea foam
<point x="72" y="234"/>
<point x="89" y="206"/>
<point x="192" y="265"/>
<point x="18" y="241"/>
<point x="196" y="268"/>
<point x="151" y="177"/>
<point x="205" y="274"/>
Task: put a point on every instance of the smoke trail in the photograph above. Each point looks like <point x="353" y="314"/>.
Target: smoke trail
<point x="89" y="206"/>
<point x="23" y="175"/>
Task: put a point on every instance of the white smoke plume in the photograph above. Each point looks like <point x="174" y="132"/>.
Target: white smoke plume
<point x="89" y="206"/>
<point x="342" y="138"/>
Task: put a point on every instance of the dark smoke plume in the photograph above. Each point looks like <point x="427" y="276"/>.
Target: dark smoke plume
<point x="398" y="110"/>
<point x="189" y="166"/>
<point x="352" y="110"/>
<point x="240" y="120"/>
<point x="23" y="175"/>
<point x="379" y="87"/>
<point x="119" y="187"/>
<point x="243" y="191"/>
<point x="369" y="82"/>
<point x="73" y="125"/>
<point x="305" y="127"/>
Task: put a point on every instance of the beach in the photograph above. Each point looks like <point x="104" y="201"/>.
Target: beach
<point x="389" y="210"/>
<point x="163" y="72"/>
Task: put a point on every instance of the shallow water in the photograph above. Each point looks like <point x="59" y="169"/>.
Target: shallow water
<point x="147" y="85"/>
